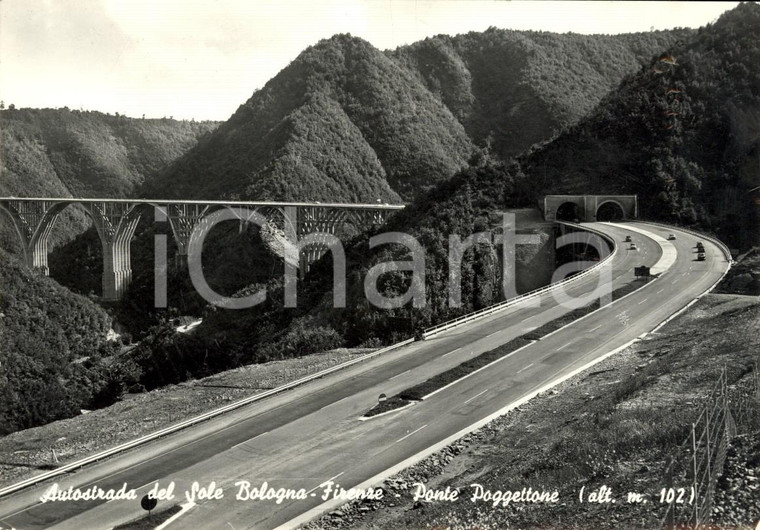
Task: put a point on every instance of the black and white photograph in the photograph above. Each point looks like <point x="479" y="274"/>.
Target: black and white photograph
<point x="379" y="264"/>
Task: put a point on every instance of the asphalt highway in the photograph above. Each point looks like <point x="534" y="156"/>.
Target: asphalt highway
<point x="304" y="437"/>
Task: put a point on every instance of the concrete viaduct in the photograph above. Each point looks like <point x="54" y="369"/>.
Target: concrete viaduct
<point x="116" y="221"/>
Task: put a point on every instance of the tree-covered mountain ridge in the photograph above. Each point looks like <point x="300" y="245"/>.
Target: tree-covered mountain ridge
<point x="71" y="153"/>
<point x="692" y="163"/>
<point x="347" y="122"/>
<point x="683" y="134"/>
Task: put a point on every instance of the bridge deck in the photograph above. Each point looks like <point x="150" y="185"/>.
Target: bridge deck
<point x="369" y="206"/>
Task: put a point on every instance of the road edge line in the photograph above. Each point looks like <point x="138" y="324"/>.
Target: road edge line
<point x="171" y="429"/>
<point x="334" y="503"/>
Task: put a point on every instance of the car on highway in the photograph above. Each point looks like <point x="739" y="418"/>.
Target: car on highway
<point x="627" y="239"/>
<point x="671" y="237"/>
<point x="700" y="246"/>
<point x="701" y="256"/>
<point x="633" y="247"/>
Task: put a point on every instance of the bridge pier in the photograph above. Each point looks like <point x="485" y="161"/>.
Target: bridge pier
<point x="116" y="224"/>
<point x="306" y="220"/>
<point x="33" y="222"/>
<point x="182" y="218"/>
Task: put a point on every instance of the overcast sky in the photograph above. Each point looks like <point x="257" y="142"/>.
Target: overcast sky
<point x="202" y="59"/>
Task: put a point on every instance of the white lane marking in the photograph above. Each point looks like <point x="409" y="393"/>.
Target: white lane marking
<point x="185" y="508"/>
<point x="473" y="397"/>
<point x="524" y="368"/>
<point x="408" y="435"/>
<point x="248" y="440"/>
<point x="402" y="373"/>
<point x="494" y="333"/>
<point x="452" y="351"/>
<point x="328" y="480"/>
<point x="675" y="281"/>
<point x="592" y="330"/>
<point x="661" y="290"/>
<point x="644" y="300"/>
<point x="566" y="344"/>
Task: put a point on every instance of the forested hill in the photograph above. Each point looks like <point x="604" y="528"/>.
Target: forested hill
<point x="87" y="154"/>
<point x="341" y="122"/>
<point x="45" y="333"/>
<point x="512" y="89"/>
<point x="64" y="153"/>
<point x="684" y="134"/>
<point x="345" y="121"/>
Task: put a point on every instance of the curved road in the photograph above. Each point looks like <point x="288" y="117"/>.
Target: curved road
<point x="306" y="436"/>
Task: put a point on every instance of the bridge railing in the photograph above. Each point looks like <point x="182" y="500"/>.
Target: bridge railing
<point x="215" y="202"/>
<point x="469" y="317"/>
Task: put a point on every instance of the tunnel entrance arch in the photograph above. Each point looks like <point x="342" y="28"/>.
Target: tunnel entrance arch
<point x="570" y="211"/>
<point x="610" y="211"/>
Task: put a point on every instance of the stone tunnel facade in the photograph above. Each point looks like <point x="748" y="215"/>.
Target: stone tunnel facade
<point x="587" y="207"/>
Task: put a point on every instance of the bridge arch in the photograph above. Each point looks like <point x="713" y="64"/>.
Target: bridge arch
<point x="116" y="220"/>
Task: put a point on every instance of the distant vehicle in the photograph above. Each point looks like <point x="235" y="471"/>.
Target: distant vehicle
<point x="701" y="256"/>
<point x="633" y="247"/>
<point x="672" y="237"/>
<point x="627" y="239"/>
<point x="700" y="246"/>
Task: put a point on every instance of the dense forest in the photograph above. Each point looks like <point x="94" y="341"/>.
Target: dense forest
<point x="683" y="134"/>
<point x="461" y="128"/>
<point x="347" y="122"/>
<point x="688" y="165"/>
<point x="52" y="341"/>
<point x="513" y="89"/>
<point x="71" y="153"/>
<point x="51" y="345"/>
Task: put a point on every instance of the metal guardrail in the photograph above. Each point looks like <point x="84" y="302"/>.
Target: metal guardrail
<point x="190" y="422"/>
<point x="722" y="246"/>
<point x="469" y="317"/>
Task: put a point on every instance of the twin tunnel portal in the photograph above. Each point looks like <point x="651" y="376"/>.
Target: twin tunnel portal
<point x="116" y="221"/>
